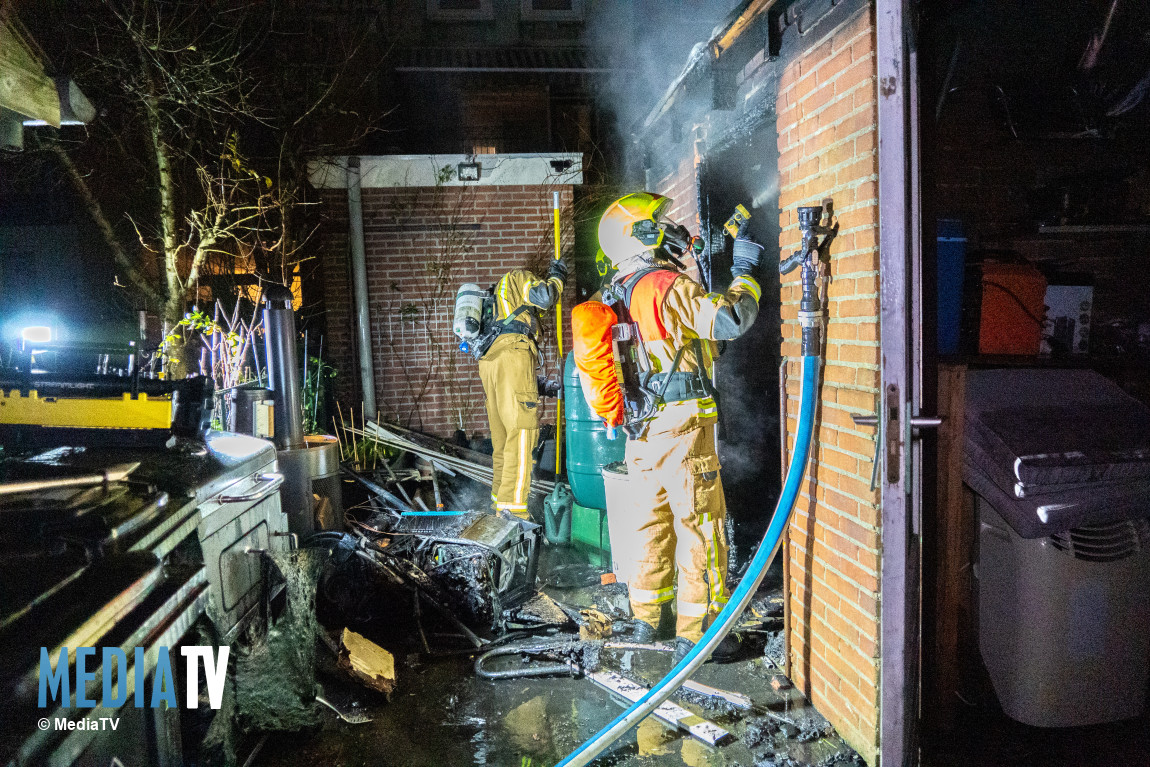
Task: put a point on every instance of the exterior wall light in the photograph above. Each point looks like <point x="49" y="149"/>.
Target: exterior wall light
<point x="468" y="171"/>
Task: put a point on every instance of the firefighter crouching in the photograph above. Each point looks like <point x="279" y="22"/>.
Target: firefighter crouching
<point x="676" y="508"/>
<point x="510" y="385"/>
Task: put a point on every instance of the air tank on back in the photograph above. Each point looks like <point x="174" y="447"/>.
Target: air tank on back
<point x="468" y="311"/>
<point x="588" y="449"/>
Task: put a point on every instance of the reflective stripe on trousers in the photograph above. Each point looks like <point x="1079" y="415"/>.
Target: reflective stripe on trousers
<point x="679" y="536"/>
<point x="512" y="400"/>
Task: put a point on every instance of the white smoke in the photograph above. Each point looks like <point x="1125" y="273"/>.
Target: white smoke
<point x="650" y="42"/>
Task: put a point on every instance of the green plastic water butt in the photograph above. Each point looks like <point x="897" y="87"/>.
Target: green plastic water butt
<point x="588" y="449"/>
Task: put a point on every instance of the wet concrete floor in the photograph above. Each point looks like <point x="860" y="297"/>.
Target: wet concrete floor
<point x="442" y="714"/>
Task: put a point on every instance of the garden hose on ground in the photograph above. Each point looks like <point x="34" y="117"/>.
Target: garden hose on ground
<point x="556" y="645"/>
<point x="810" y="316"/>
<point x="739" y="599"/>
<point x="530" y="647"/>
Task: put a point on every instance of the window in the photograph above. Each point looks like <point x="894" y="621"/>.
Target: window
<point x="504" y="121"/>
<point x="552" y="10"/>
<point x="459" y="10"/>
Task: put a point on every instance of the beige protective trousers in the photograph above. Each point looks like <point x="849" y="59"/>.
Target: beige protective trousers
<point x="680" y="540"/>
<point x="512" y="397"/>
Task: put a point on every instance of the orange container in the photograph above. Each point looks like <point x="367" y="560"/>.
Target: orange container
<point x="1013" y="298"/>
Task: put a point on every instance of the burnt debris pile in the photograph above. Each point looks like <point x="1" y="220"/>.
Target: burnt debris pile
<point x="421" y="576"/>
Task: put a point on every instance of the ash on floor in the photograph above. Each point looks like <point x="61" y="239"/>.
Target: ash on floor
<point x="442" y="714"/>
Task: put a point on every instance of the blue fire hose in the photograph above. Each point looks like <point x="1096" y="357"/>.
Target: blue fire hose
<point x="746" y="589"/>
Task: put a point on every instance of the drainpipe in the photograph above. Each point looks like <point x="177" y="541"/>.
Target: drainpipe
<point x="359" y="284"/>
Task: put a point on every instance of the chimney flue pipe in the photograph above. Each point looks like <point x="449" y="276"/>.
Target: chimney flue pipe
<point x="283" y="366"/>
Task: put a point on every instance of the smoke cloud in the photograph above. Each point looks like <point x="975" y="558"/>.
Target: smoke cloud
<point x="651" y="42"/>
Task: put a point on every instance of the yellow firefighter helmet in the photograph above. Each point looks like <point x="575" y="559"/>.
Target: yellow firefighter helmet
<point x="630" y="226"/>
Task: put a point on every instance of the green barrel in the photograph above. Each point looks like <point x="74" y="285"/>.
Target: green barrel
<point x="588" y="449"/>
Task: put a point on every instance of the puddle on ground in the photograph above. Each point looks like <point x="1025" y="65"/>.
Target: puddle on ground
<point x="444" y="716"/>
<point x="441" y="714"/>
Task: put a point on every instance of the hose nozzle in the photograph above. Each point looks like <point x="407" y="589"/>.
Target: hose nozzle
<point x="810" y="224"/>
<point x="737" y="222"/>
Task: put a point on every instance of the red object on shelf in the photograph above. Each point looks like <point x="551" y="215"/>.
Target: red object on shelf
<point x="1012" y="308"/>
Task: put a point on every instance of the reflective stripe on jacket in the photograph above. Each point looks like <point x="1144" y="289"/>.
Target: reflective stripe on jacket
<point x="520" y="287"/>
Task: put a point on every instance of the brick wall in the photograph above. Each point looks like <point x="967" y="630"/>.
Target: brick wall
<point x="335" y="271"/>
<point x="824" y="87"/>
<point x="421" y="243"/>
<point x="681" y="186"/>
<point x="827" y="125"/>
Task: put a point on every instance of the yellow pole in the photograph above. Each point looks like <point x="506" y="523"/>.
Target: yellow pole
<point x="559" y="341"/>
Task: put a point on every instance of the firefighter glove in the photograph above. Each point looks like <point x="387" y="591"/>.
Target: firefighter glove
<point x="548" y="387"/>
<point x="676" y="239"/>
<point x="747" y="254"/>
<point x="557" y="269"/>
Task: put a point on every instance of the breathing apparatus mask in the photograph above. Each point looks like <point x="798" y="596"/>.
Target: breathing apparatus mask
<point x="666" y="239"/>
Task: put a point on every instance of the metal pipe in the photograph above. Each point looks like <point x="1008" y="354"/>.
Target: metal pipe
<point x="376" y="488"/>
<point x="559" y="344"/>
<point x="318" y="376"/>
<point x="116" y="473"/>
<point x="283" y="367"/>
<point x="359" y="283"/>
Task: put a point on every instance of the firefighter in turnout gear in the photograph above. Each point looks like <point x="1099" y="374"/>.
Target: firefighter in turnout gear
<point x="510" y="385"/>
<point x="678" y="513"/>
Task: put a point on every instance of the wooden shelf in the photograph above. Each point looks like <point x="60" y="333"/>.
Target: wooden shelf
<point x="1013" y="360"/>
<point x="1085" y="229"/>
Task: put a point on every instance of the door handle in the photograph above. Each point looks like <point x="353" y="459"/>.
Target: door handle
<point x="916" y="422"/>
<point x="267" y="484"/>
<point x="892" y="429"/>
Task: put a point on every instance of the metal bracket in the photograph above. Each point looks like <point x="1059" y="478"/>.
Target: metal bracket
<point x="892" y="433"/>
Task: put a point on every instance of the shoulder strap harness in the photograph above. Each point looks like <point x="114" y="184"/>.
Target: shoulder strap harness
<point x="641" y="399"/>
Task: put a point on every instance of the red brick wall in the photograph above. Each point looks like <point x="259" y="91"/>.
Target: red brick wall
<point x="827" y="124"/>
<point x="681" y="186"/>
<point x="421" y="244"/>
